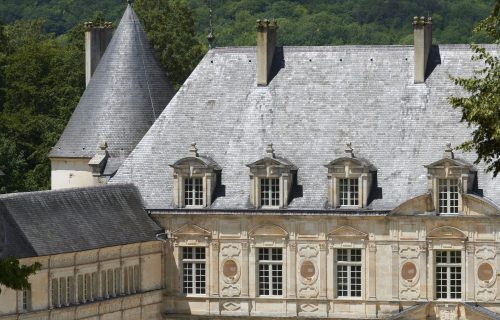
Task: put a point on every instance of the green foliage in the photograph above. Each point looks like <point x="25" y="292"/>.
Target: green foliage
<point x="170" y="29"/>
<point x="481" y="107"/>
<point x="327" y="22"/>
<point x="366" y="21"/>
<point x="15" y="276"/>
<point x="43" y="80"/>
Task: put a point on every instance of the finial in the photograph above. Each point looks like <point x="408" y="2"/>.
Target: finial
<point x="270" y="150"/>
<point x="193" y="151"/>
<point x="349" y="150"/>
<point x="103" y="145"/>
<point x="211" y="36"/>
<point x="448" y="152"/>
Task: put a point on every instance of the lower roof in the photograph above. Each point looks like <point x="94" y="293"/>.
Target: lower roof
<point x="69" y="220"/>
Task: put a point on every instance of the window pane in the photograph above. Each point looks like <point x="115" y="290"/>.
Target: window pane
<point x="348" y="192"/>
<point x="448" y="195"/>
<point x="193" y="270"/>
<point x="448" y="274"/>
<point x="193" y="191"/>
<point x="270" y="271"/>
<point x="349" y="272"/>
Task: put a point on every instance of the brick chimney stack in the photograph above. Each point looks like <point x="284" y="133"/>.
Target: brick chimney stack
<point x="266" y="45"/>
<point x="422" y="41"/>
<point x="97" y="39"/>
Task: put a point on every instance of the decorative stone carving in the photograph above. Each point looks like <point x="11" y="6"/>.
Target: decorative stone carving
<point x="447" y="313"/>
<point x="230" y="306"/>
<point x="309" y="307"/>
<point x="409" y="252"/>
<point x="190" y="230"/>
<point x="412" y="293"/>
<point x="308" y="251"/>
<point x="486" y="275"/>
<point x="485" y="253"/>
<point x="230" y="291"/>
<point x="485" y="294"/>
<point x="308" y="272"/>
<point x="308" y="292"/>
<point x="409" y="272"/>
<point x="230" y="250"/>
<point x="230" y="271"/>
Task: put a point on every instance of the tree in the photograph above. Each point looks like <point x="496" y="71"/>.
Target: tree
<point x="170" y="28"/>
<point x="481" y="107"/>
<point x="43" y="80"/>
<point x="15" y="276"/>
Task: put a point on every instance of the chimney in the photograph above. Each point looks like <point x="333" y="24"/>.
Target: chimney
<point x="422" y="41"/>
<point x="97" y="39"/>
<point x="266" y="45"/>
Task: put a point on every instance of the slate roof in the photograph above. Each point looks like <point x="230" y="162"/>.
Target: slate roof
<point x="127" y="92"/>
<point x="322" y="98"/>
<point x="52" y="222"/>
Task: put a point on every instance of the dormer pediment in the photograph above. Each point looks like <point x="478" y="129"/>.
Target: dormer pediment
<point x="451" y="164"/>
<point x="354" y="162"/>
<point x="348" y="232"/>
<point x="268" y="230"/>
<point x="447" y="232"/>
<point x="191" y="230"/>
<point x="195" y="162"/>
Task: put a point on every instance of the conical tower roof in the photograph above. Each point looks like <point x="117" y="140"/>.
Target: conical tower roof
<point x="127" y="92"/>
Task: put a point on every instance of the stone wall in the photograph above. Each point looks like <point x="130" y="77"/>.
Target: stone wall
<point x="398" y="262"/>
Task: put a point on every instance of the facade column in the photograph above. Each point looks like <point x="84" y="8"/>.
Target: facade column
<point x="322" y="270"/>
<point x="372" y="271"/>
<point x="292" y="279"/>
<point x="214" y="269"/>
<point x="395" y="271"/>
<point x="430" y="271"/>
<point x="497" y="249"/>
<point x="422" y="270"/>
<point x="244" y="269"/>
<point x="468" y="258"/>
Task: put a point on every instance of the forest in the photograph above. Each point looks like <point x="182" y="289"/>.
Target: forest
<point x="42" y="53"/>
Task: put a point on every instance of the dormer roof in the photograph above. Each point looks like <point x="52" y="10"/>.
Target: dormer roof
<point x="127" y="92"/>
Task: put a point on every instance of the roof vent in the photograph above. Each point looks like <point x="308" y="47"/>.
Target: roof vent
<point x="422" y="41"/>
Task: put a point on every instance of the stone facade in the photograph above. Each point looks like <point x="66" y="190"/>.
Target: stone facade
<point x="78" y="286"/>
<point x="398" y="263"/>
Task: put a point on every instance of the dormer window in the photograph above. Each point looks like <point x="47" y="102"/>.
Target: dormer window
<point x="448" y="195"/>
<point x="448" y="179"/>
<point x="193" y="192"/>
<point x="271" y="181"/>
<point x="349" y="181"/>
<point x="195" y="179"/>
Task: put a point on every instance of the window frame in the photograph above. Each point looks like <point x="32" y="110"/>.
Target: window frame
<point x="451" y="196"/>
<point x="349" y="264"/>
<point x="196" y="198"/>
<point x="448" y="266"/>
<point x="271" y="193"/>
<point x="350" y="193"/>
<point x="269" y="264"/>
<point x="193" y="263"/>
